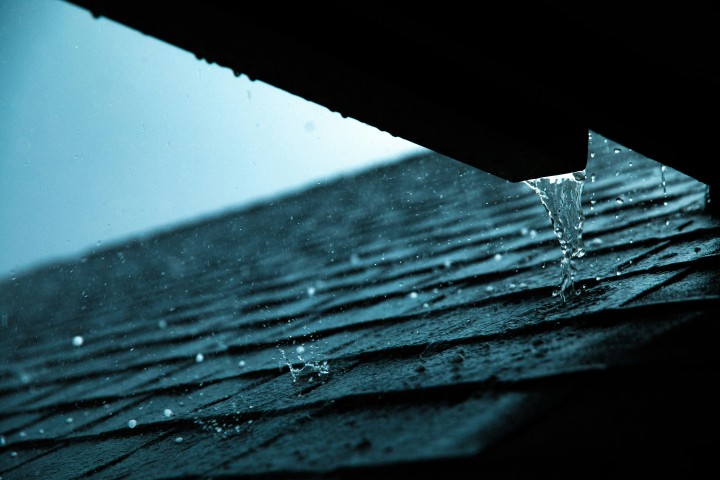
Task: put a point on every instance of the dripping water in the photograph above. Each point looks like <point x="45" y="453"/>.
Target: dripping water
<point x="662" y="182"/>
<point x="561" y="197"/>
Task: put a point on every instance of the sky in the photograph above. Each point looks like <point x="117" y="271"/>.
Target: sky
<point x="106" y="133"/>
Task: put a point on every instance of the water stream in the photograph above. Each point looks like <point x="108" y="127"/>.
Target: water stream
<point x="561" y="197"/>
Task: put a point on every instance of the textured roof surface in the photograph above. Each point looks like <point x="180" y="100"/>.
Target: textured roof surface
<point x="395" y="322"/>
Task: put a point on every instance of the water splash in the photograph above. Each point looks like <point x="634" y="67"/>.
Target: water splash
<point x="307" y="371"/>
<point x="561" y="197"/>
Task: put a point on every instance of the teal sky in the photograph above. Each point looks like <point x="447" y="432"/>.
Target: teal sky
<point x="106" y="133"/>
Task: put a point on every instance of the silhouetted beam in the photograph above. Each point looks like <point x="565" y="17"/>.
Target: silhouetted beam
<point x="512" y="90"/>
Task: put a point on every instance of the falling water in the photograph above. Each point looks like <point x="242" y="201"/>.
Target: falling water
<point x="561" y="197"/>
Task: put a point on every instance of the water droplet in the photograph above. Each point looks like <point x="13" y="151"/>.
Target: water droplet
<point x="617" y="173"/>
<point x="619" y="200"/>
<point x="13" y="454"/>
<point x="447" y="263"/>
<point x="77" y="341"/>
<point x="162" y="324"/>
<point x="199" y="357"/>
<point x="592" y="178"/>
<point x="592" y="154"/>
<point x="300" y="350"/>
<point x="22" y="434"/>
<point x="241" y="363"/>
<point x="132" y="423"/>
<point x="497" y="257"/>
<point x="167" y="413"/>
<point x="616" y="150"/>
<point x="630" y="164"/>
<point x="69" y="420"/>
<point x="413" y="295"/>
<point x="355" y="259"/>
<point x="311" y="291"/>
<point x="178" y="439"/>
<point x="2" y="440"/>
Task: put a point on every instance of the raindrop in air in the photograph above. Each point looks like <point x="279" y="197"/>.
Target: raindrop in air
<point x="132" y="423"/>
<point x="199" y="357"/>
<point x="77" y="341"/>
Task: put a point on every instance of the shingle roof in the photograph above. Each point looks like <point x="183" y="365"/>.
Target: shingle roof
<point x="419" y="298"/>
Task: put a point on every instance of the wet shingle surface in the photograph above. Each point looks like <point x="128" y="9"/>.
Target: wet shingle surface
<point x="414" y="304"/>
